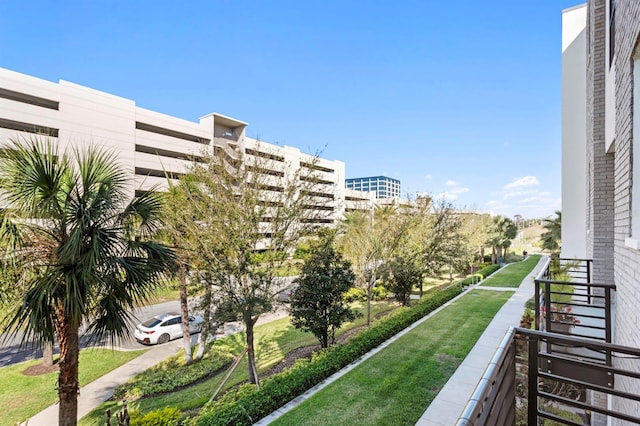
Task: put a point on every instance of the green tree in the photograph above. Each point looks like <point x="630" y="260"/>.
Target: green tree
<point x="369" y="241"/>
<point x="501" y="231"/>
<point x="317" y="304"/>
<point x="436" y="239"/>
<point x="86" y="250"/>
<point x="441" y="238"/>
<point x="551" y="238"/>
<point x="236" y="207"/>
<point x="175" y="207"/>
<point x="401" y="276"/>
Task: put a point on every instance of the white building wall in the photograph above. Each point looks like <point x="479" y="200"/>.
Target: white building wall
<point x="574" y="137"/>
<point x="147" y="141"/>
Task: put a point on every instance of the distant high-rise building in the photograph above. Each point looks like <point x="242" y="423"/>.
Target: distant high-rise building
<point x="384" y="187"/>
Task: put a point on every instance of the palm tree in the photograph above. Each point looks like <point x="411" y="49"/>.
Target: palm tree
<point x="86" y="250"/>
<point x="551" y="238"/>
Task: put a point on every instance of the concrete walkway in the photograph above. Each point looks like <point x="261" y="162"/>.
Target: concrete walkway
<point x="463" y="382"/>
<point x="448" y="405"/>
<point x="101" y="389"/>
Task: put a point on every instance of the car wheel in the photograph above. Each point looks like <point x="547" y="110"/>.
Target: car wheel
<point x="163" y="338"/>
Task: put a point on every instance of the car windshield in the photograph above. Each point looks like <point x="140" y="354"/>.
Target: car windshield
<point x="150" y="323"/>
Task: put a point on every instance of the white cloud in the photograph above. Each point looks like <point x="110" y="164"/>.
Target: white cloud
<point x="453" y="193"/>
<point x="523" y="181"/>
<point x="447" y="196"/>
<point x="428" y="177"/>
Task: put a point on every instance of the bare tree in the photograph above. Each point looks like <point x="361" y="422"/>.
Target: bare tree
<point x="369" y="241"/>
<point x="244" y="215"/>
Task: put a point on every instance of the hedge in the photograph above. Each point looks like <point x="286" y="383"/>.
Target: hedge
<point x="485" y="272"/>
<point x="246" y="405"/>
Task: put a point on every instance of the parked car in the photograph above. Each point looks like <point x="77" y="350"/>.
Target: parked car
<point x="285" y="295"/>
<point x="164" y="327"/>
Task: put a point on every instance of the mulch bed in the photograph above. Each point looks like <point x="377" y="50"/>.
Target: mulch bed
<point x="39" y="369"/>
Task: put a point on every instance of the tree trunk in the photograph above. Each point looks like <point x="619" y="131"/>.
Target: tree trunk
<point x="369" y="296"/>
<point x="186" y="337"/>
<point x="47" y="354"/>
<point x="203" y="338"/>
<point x="251" y="357"/>
<point x="68" y="376"/>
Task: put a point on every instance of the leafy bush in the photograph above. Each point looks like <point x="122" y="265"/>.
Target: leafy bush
<point x="530" y="304"/>
<point x="168" y="416"/>
<point x="484" y="272"/>
<point x="355" y="295"/>
<point x="379" y="293"/>
<point x="246" y="405"/>
<point x="172" y="374"/>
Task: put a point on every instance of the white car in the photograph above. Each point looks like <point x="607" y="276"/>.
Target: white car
<point x="164" y="327"/>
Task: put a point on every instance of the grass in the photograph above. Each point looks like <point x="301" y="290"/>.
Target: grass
<point x="24" y="396"/>
<point x="273" y="341"/>
<point x="513" y="274"/>
<point x="396" y="385"/>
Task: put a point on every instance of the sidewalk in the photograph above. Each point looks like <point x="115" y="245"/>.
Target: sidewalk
<point x="448" y="405"/>
<point x="100" y="390"/>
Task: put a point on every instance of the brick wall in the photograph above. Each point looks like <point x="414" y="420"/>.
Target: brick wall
<point x="611" y="203"/>
<point x="600" y="220"/>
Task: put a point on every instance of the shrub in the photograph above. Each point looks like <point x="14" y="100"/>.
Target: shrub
<point x="484" y="272"/>
<point x="355" y="295"/>
<point x="246" y="405"/>
<point x="167" y="416"/>
<point x="379" y="293"/>
<point x="172" y="374"/>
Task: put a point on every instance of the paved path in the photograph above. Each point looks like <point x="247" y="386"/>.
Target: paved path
<point x="100" y="390"/>
<point x="448" y="405"/>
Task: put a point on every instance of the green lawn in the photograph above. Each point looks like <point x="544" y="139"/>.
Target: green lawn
<point x="272" y="342"/>
<point x="512" y="274"/>
<point x="24" y="396"/>
<point x="395" y="386"/>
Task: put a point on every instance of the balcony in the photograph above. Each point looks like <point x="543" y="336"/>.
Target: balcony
<point x="566" y="371"/>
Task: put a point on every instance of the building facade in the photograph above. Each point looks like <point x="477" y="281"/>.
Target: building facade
<point x="384" y="187"/>
<point x="605" y="221"/>
<point x="151" y="146"/>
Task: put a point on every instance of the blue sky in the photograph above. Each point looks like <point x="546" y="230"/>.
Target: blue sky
<point x="459" y="99"/>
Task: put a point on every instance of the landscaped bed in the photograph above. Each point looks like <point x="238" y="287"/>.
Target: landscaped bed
<point x="278" y="345"/>
<point x="396" y="385"/>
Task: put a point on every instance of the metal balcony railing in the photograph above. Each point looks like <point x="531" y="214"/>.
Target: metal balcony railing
<point x="566" y="372"/>
<point x="527" y="384"/>
<point x="567" y="302"/>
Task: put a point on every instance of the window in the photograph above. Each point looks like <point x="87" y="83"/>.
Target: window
<point x="612" y="30"/>
<point x="29" y="99"/>
<point x="634" y="185"/>
<point x="28" y="127"/>
<point x="171" y="133"/>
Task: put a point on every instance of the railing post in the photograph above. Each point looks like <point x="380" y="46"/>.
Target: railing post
<point x="607" y="321"/>
<point x="532" y="404"/>
<point x="589" y="290"/>
<point x="547" y="307"/>
<point x="536" y="299"/>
